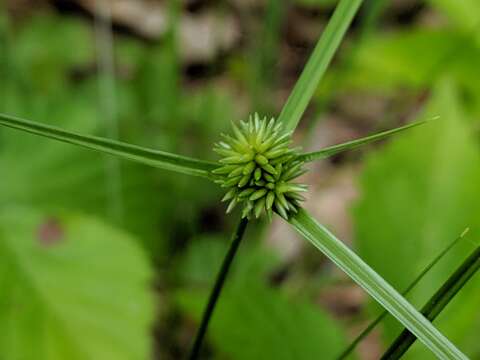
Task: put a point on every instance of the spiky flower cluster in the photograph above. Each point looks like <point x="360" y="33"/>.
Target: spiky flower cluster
<point x="258" y="168"/>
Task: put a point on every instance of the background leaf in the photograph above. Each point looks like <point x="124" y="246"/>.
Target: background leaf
<point x="254" y="320"/>
<point x="71" y="288"/>
<point x="41" y="68"/>
<point x="424" y="204"/>
<point x="413" y="58"/>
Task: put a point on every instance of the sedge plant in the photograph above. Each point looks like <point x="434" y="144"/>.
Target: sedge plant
<point x="258" y="169"/>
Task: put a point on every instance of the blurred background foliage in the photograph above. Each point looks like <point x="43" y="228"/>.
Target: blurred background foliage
<point x="80" y="279"/>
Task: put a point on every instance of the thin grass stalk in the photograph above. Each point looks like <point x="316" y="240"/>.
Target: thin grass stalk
<point x="107" y="104"/>
<point x="420" y="276"/>
<point x="217" y="288"/>
<point x="437" y="303"/>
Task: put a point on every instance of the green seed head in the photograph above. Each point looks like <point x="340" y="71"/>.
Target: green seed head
<point x="257" y="169"/>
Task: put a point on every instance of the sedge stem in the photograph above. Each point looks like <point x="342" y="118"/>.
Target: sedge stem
<point x="217" y="288"/>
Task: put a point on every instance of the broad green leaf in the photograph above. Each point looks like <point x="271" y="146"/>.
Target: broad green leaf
<point x="155" y="158"/>
<point x="438" y="301"/>
<point x="335" y="149"/>
<point x="254" y="320"/>
<point x="419" y="192"/>
<point x="375" y="285"/>
<point x="318" y="63"/>
<point x="71" y="288"/>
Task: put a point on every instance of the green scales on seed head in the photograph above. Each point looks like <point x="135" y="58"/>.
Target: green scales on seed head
<point x="258" y="167"/>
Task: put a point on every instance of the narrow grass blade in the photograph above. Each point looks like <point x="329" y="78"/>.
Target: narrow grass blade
<point x="375" y="285"/>
<point x="335" y="149"/>
<point x="437" y="303"/>
<point x="155" y="158"/>
<point x="420" y="276"/>
<point x="318" y="63"/>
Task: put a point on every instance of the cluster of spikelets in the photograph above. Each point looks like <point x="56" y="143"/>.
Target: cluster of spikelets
<point x="258" y="167"/>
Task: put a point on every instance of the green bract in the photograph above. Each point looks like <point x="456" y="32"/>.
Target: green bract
<point x="258" y="166"/>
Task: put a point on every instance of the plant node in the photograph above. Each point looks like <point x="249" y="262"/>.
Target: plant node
<point x="258" y="167"/>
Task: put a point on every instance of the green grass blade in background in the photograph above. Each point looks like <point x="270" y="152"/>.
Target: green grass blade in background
<point x="420" y="276"/>
<point x="375" y="285"/>
<point x="155" y="158"/>
<point x="437" y="303"/>
<point x="264" y="74"/>
<point x="107" y="104"/>
<point x="335" y="149"/>
<point x="318" y="63"/>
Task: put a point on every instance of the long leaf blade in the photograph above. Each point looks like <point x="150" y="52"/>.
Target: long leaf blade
<point x="375" y="285"/>
<point x="349" y="145"/>
<point x="318" y="63"/>
<point x="412" y="285"/>
<point x="437" y="303"/>
<point x="155" y="158"/>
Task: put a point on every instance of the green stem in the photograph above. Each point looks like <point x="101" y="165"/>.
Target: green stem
<point x="217" y="288"/>
<point x="437" y="303"/>
<point x="420" y="276"/>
